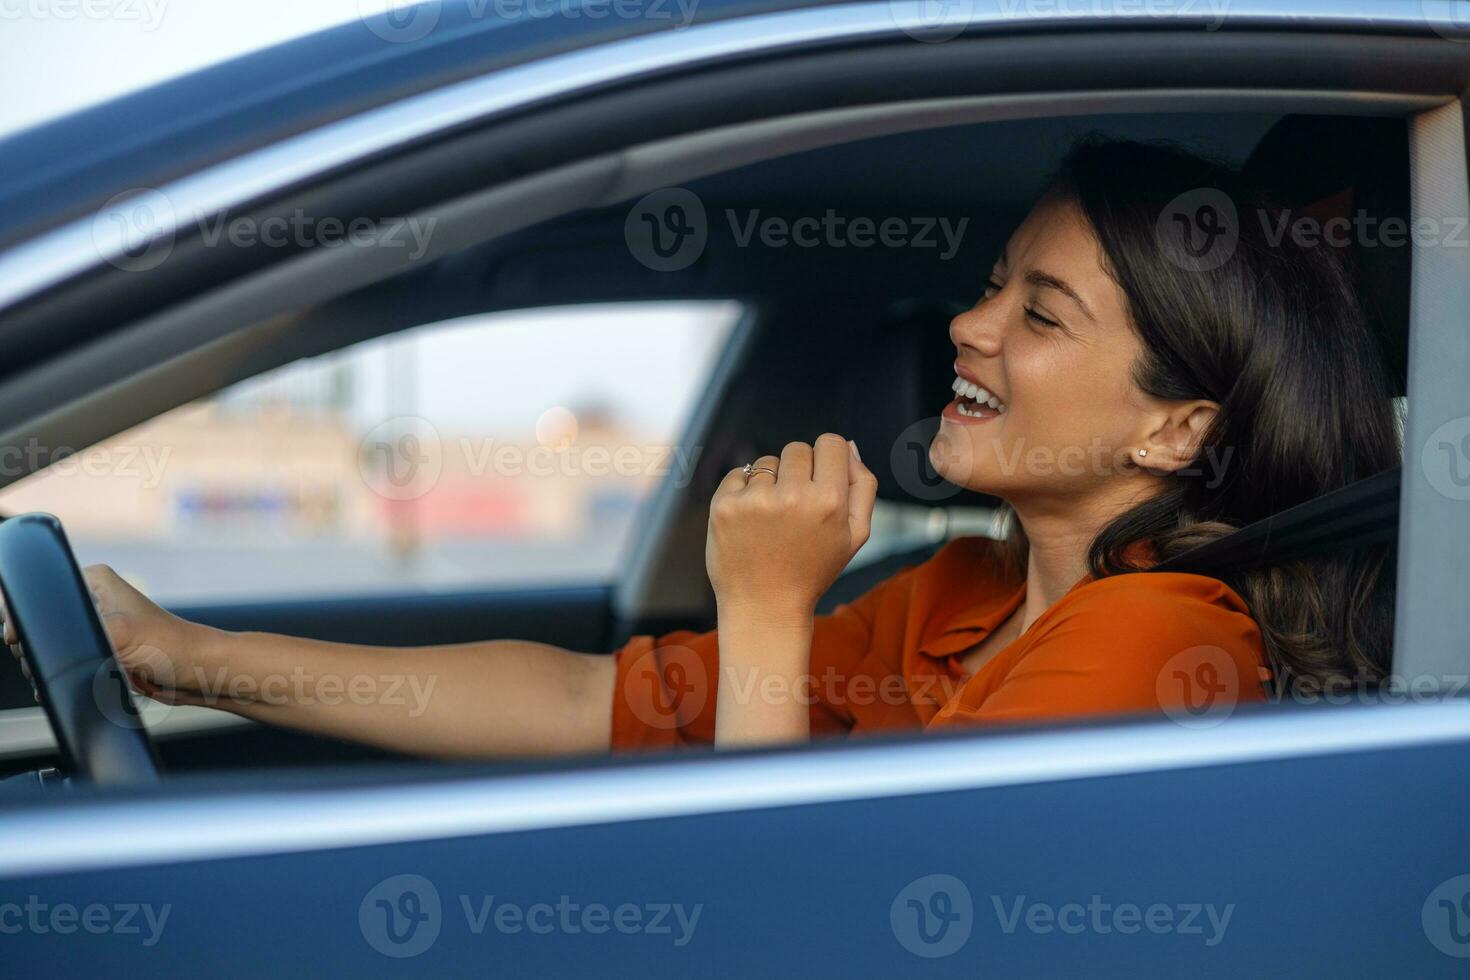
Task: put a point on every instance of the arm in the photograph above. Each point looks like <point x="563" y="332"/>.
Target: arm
<point x="775" y="545"/>
<point x="763" y="663"/>
<point x="501" y="697"/>
<point x="771" y="556"/>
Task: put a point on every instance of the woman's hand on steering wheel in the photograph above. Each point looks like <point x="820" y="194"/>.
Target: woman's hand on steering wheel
<point x="152" y="645"/>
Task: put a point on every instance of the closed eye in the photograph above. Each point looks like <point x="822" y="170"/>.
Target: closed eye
<point x="1037" y="317"/>
<point x="993" y="286"/>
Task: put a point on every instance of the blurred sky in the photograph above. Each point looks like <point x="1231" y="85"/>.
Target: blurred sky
<point x="56" y="58"/>
<point x="646" y="363"/>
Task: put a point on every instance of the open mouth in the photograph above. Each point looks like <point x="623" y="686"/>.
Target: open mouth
<point x="973" y="401"/>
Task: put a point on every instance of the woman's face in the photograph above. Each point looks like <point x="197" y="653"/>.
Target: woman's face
<point x="1051" y="344"/>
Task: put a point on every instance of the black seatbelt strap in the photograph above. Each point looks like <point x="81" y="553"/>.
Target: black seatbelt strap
<point x="1361" y="513"/>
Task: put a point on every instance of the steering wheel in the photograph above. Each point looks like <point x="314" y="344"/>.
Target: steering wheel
<point x="77" y="677"/>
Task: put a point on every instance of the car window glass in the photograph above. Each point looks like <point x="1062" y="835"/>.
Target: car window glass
<point x="505" y="450"/>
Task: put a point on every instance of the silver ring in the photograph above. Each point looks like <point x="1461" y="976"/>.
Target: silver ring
<point x="750" y="468"/>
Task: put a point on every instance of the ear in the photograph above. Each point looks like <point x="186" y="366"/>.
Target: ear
<point x="1175" y="442"/>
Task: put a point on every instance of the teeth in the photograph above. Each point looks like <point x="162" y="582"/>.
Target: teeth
<point x="968" y="389"/>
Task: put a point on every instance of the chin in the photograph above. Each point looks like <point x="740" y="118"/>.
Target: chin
<point x="954" y="459"/>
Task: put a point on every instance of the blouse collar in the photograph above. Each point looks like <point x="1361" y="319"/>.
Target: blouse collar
<point x="1005" y="594"/>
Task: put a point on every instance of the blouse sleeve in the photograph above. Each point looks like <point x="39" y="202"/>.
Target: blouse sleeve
<point x="664" y="696"/>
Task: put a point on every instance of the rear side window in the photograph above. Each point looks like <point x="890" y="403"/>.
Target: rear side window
<point x="498" y="451"/>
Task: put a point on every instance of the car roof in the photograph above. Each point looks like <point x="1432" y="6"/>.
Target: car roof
<point x="68" y="167"/>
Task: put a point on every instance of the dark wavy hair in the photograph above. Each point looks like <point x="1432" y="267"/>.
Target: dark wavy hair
<point x="1277" y="336"/>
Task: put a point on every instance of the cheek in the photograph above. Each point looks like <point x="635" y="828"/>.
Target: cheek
<point x="1071" y="400"/>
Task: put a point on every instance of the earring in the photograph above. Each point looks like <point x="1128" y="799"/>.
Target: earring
<point x="1143" y="452"/>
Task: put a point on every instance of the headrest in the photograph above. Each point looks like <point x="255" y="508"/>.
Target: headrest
<point x="1357" y="168"/>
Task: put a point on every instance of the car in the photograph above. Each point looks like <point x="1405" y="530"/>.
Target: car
<point x="236" y="236"/>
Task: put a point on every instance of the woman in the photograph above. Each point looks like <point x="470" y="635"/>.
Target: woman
<point x="1126" y="396"/>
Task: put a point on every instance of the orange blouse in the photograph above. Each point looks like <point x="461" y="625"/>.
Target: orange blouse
<point x="890" y="660"/>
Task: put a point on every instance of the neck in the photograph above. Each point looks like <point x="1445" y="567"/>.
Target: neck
<point x="1059" y="537"/>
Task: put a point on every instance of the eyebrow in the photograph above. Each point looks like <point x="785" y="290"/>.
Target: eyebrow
<point x="1046" y="279"/>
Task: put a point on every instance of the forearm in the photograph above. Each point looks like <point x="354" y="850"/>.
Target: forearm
<point x="764" y="660"/>
<point x="493" y="698"/>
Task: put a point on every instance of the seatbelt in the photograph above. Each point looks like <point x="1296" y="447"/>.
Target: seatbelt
<point x="1362" y="513"/>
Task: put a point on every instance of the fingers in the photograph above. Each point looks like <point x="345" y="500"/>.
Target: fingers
<point x="796" y="464"/>
<point x="829" y="463"/>
<point x="862" y="493"/>
<point x="764" y="477"/>
<point x="100" y="580"/>
<point x="732" y="481"/>
<point x="117" y="626"/>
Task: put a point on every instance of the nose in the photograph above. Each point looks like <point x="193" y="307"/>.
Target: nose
<point x="979" y="328"/>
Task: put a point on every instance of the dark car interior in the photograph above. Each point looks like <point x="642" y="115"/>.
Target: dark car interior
<point x="852" y="340"/>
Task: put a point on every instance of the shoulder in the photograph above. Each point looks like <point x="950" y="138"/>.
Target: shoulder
<point x="1134" y="643"/>
<point x="1148" y="620"/>
<point x="1156" y="595"/>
